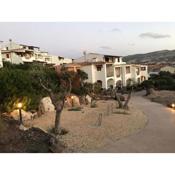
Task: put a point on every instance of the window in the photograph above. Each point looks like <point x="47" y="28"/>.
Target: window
<point x="106" y="59"/>
<point x="8" y="55"/>
<point x="118" y="59"/>
<point x="128" y="69"/>
<point x="99" y="67"/>
<point x="143" y="68"/>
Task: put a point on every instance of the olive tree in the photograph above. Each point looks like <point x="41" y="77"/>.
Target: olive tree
<point x="58" y="85"/>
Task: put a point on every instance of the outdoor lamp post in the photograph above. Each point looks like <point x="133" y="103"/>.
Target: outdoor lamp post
<point x="19" y="106"/>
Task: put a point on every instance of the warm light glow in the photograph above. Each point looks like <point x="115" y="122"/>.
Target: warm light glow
<point x="72" y="97"/>
<point x="173" y="105"/>
<point x="19" y="105"/>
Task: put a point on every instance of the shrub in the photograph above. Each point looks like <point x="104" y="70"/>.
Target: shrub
<point x="17" y="84"/>
<point x="163" y="81"/>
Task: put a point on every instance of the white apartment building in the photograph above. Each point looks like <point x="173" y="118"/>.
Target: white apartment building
<point x="19" y="53"/>
<point x="110" y="70"/>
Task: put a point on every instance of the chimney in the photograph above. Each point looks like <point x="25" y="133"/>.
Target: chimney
<point x="84" y="53"/>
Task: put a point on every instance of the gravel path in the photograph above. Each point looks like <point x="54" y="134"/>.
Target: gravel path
<point x="157" y="137"/>
<point x="85" y="135"/>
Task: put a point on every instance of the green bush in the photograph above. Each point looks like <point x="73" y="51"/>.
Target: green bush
<point x="22" y="83"/>
<point x="162" y="81"/>
<point x="18" y="84"/>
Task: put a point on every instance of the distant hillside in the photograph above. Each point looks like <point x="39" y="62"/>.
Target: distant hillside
<point x="163" y="56"/>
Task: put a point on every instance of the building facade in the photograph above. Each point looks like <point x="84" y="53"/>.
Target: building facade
<point x="110" y="70"/>
<point x="19" y="53"/>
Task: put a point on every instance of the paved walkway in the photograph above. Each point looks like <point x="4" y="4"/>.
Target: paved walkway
<point x="157" y="137"/>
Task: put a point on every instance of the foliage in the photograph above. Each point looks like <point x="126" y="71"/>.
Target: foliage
<point x="21" y="83"/>
<point x="97" y="88"/>
<point x="16" y="85"/>
<point x="162" y="81"/>
<point x="79" y="78"/>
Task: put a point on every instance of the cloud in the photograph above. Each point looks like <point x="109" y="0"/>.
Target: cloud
<point x="131" y="44"/>
<point x="109" y="30"/>
<point x="105" y="47"/>
<point x="115" y="30"/>
<point x="154" y="35"/>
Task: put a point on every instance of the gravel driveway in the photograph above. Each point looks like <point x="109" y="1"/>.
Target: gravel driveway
<point x="157" y="137"/>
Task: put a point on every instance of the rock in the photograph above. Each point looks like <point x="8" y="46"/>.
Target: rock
<point x="23" y="128"/>
<point x="25" y="115"/>
<point x="46" y="106"/>
<point x="76" y="101"/>
<point x="88" y="98"/>
<point x="72" y="101"/>
<point x="68" y="102"/>
<point x="34" y="115"/>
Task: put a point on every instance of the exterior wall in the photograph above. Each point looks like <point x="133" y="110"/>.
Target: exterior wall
<point x="100" y="75"/>
<point x="64" y="61"/>
<point x="94" y="75"/>
<point x="13" y="58"/>
<point x="90" y="57"/>
<point x="88" y="70"/>
<point x="95" y="57"/>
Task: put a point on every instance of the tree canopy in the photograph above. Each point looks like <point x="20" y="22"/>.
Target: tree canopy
<point x="23" y="83"/>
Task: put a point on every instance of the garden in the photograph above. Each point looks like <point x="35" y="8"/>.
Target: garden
<point x="75" y="115"/>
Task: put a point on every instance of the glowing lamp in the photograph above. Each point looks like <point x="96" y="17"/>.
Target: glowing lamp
<point x="19" y="105"/>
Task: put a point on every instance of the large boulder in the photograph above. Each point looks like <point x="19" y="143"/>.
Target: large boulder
<point x="72" y="101"/>
<point x="88" y="99"/>
<point x="76" y="101"/>
<point x="25" y="115"/>
<point x="46" y="106"/>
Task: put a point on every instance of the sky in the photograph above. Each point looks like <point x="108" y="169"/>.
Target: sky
<point x="71" y="39"/>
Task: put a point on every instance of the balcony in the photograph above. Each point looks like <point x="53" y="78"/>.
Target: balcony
<point x="28" y="59"/>
<point x="109" y="70"/>
<point x="118" y="72"/>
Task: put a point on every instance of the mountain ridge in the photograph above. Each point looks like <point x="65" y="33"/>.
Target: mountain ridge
<point x="161" y="56"/>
